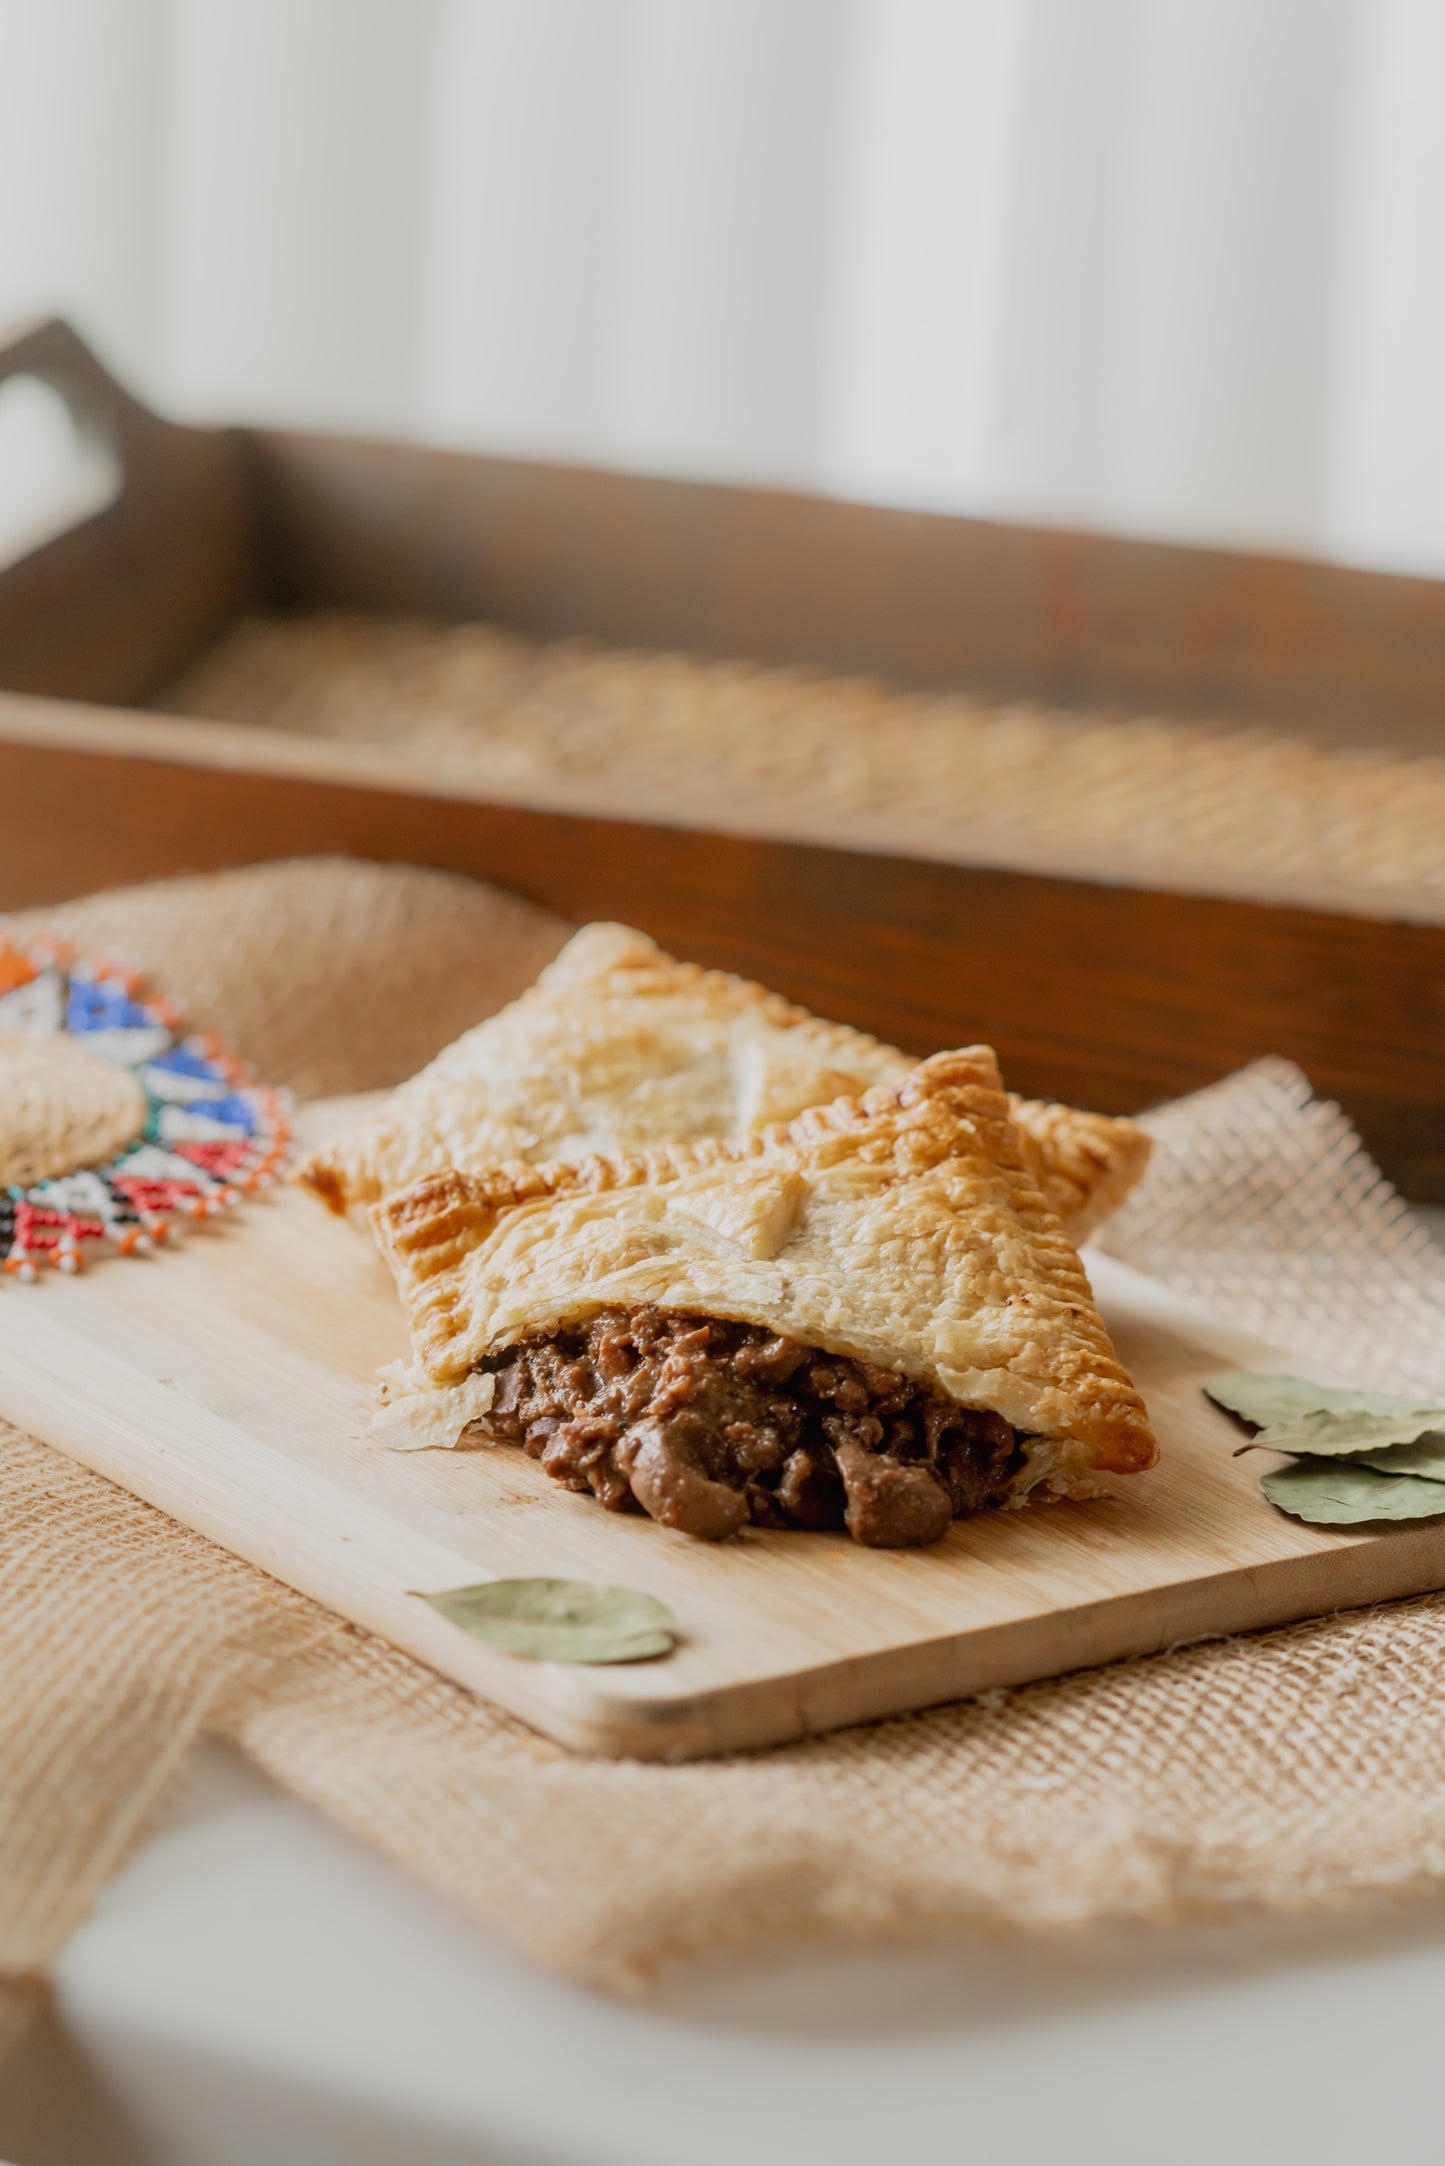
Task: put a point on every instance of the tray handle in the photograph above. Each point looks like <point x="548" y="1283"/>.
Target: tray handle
<point x="116" y="590"/>
<point x="109" y="423"/>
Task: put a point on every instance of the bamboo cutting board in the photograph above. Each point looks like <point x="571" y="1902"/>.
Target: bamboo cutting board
<point x="229" y="1384"/>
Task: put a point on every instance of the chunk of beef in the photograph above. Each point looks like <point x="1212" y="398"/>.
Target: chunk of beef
<point x="707" y="1425"/>
<point x="671" y="1483"/>
<point x="890" y="1505"/>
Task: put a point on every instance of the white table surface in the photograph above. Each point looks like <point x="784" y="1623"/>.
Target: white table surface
<point x="259" y="1990"/>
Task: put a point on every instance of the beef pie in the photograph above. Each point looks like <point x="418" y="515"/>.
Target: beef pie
<point x="619" y="1046"/>
<point x="867" y="1317"/>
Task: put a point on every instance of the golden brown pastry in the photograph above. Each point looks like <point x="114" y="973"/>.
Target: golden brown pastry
<point x="867" y="1316"/>
<point x="618" y="1046"/>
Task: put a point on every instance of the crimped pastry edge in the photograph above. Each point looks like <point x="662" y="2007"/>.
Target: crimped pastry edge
<point x="426" y="1231"/>
<point x="1086" y="1163"/>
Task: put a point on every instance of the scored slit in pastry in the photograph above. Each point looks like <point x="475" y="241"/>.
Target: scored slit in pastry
<point x="865" y="1317"/>
<point x="619" y="1046"/>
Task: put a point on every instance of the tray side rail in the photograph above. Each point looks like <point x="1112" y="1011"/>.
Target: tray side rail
<point x="1115" y="997"/>
<point x="925" y="602"/>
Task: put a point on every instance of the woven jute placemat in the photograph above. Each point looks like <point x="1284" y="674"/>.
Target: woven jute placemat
<point x="802" y="754"/>
<point x="1288" y="1769"/>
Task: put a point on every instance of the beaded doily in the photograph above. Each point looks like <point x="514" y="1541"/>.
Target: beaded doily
<point x="115" y="1126"/>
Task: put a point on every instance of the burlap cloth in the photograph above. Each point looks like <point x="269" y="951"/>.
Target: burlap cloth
<point x="1292" y="1768"/>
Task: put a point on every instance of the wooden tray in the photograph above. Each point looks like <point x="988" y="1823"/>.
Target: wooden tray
<point x="229" y="1384"/>
<point x="1111" y="995"/>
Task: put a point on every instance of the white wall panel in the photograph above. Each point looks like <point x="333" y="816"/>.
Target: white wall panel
<point x="1235" y="188"/>
<point x="1386" y="465"/>
<point x="82" y="88"/>
<point x="925" y="198"/>
<point x="1166" y="266"/>
<point x="291" y="208"/>
<point x="721" y="307"/>
<point x="519" y="223"/>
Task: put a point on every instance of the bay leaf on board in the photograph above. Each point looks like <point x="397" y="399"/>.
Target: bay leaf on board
<point x="1290" y="1414"/>
<point x="561" y="1620"/>
<point x="1337" y="1493"/>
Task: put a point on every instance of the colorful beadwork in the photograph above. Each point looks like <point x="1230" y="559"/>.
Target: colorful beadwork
<point x="209" y="1136"/>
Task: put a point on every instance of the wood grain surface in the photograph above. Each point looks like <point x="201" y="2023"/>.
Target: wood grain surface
<point x="1115" y="997"/>
<point x="228" y="1384"/>
<point x="1091" y="620"/>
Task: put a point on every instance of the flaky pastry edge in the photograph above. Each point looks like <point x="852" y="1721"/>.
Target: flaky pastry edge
<point x="425" y="1231"/>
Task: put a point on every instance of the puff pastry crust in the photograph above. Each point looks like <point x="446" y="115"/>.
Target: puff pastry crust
<point x="902" y="1229"/>
<point x="619" y="1046"/>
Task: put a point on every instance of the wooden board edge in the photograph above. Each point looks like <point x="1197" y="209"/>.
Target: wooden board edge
<point x="629" y="1714"/>
<point x="941" y="1672"/>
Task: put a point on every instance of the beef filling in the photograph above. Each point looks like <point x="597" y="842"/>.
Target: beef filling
<point x="708" y="1425"/>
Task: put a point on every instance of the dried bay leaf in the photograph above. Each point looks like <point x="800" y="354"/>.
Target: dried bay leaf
<point x="1293" y="1415"/>
<point x="561" y="1620"/>
<point x="1425" y="1458"/>
<point x="1335" y="1493"/>
<point x="1264" y="1400"/>
<point x="1349" y="1436"/>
